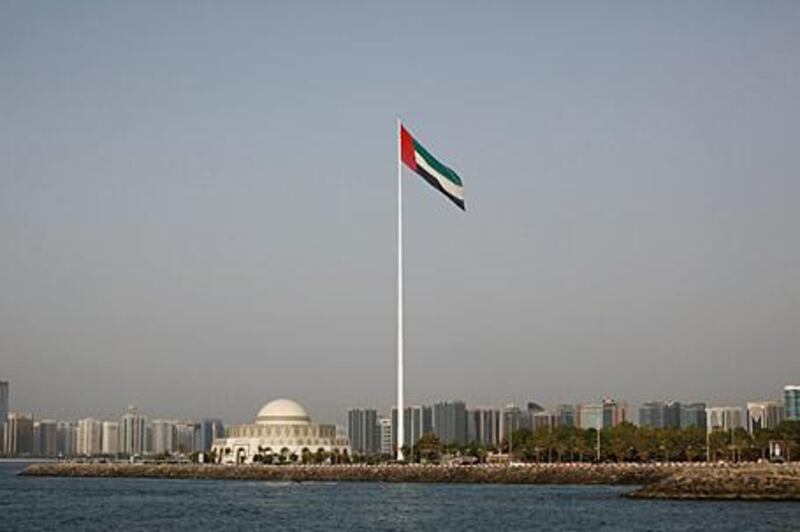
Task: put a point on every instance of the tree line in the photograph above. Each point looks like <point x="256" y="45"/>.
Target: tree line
<point x="625" y="442"/>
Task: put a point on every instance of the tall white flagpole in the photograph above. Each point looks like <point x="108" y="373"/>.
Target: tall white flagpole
<point x="400" y="405"/>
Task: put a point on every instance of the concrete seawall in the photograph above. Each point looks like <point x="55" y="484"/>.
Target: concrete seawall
<point x="621" y="474"/>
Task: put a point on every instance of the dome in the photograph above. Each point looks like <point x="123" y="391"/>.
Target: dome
<point x="282" y="412"/>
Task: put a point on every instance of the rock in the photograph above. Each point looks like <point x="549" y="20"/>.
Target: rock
<point x="746" y="482"/>
<point x="631" y="474"/>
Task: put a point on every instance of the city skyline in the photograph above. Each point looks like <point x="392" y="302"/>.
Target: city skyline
<point x="450" y="422"/>
<point x="334" y="412"/>
<point x="786" y="396"/>
<point x="197" y="203"/>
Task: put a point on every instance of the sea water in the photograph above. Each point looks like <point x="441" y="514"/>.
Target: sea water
<point x="28" y="503"/>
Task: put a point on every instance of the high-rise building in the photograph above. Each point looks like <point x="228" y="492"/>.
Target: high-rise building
<point x="791" y="395"/>
<point x="417" y="420"/>
<point x="483" y="426"/>
<point x="67" y="438"/>
<point x="163" y="436"/>
<point x="672" y="414"/>
<point x="19" y="434"/>
<point x="693" y="415"/>
<point x="37" y="448"/>
<point x="133" y="432"/>
<point x="3" y="412"/>
<point x="660" y="414"/>
<point x="46" y="438"/>
<point x="362" y="431"/>
<point x="651" y="414"/>
<point x="426" y="420"/>
<point x="544" y="420"/>
<point x="591" y="416"/>
<point x="724" y="418"/>
<point x="567" y="416"/>
<point x="90" y="437"/>
<point x="110" y="438"/>
<point x="614" y="412"/>
<point x="472" y="428"/>
<point x="534" y="407"/>
<point x="36" y="443"/>
<point x="184" y="437"/>
<point x="764" y="415"/>
<point x="207" y="430"/>
<point x="513" y="420"/>
<point x="387" y="436"/>
<point x="450" y="422"/>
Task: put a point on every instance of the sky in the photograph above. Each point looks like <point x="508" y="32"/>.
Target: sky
<point x="198" y="203"/>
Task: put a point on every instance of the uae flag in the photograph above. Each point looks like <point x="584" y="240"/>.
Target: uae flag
<point x="430" y="169"/>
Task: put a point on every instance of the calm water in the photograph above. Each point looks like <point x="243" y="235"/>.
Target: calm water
<point x="132" y="504"/>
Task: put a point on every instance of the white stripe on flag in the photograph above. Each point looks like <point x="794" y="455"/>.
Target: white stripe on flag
<point x="446" y="184"/>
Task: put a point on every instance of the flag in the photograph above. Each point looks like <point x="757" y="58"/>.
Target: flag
<point x="430" y="169"/>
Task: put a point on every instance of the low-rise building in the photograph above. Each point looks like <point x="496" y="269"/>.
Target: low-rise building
<point x="281" y="431"/>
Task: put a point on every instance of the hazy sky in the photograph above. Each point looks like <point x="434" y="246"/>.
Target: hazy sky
<point x="198" y="210"/>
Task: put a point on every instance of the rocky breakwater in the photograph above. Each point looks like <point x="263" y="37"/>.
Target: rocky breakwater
<point x="744" y="482"/>
<point x="628" y="474"/>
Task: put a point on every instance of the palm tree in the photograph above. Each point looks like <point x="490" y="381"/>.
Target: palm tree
<point x="582" y="445"/>
<point x="761" y="441"/>
<point x="623" y="441"/>
<point x="406" y="450"/>
<point x="740" y="440"/>
<point x="717" y="441"/>
<point x="429" y="448"/>
<point x="693" y="443"/>
<point x="283" y="456"/>
<point x="646" y="443"/>
<point x="306" y="455"/>
<point x="321" y="455"/>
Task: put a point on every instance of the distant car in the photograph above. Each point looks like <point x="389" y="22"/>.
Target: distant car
<point x="462" y="460"/>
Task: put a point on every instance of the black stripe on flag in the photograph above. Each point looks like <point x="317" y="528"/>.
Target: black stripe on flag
<point x="435" y="184"/>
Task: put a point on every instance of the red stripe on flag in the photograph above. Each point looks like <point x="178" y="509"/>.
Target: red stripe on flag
<point x="407" y="149"/>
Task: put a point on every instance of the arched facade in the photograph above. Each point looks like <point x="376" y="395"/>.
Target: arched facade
<point x="283" y="432"/>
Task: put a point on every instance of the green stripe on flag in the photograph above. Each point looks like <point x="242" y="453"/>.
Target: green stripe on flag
<point x="436" y="165"/>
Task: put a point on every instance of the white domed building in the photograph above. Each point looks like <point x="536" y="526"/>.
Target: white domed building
<point x="282" y="431"/>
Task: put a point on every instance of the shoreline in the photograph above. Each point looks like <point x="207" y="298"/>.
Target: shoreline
<point x="613" y="474"/>
<point x="757" y="482"/>
<point x="679" y="481"/>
